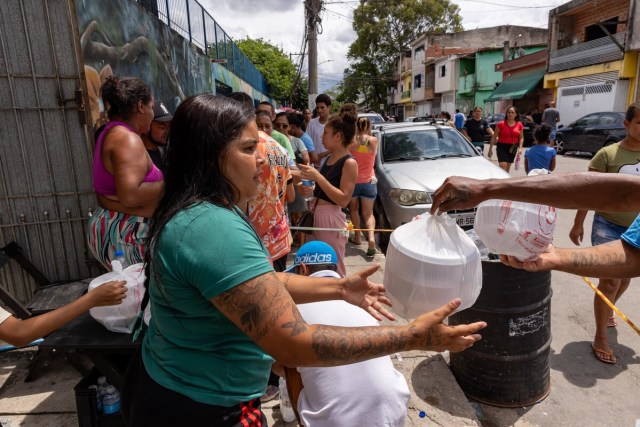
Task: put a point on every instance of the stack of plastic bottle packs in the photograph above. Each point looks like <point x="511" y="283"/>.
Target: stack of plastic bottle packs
<point x="519" y="229"/>
<point x="429" y="262"/>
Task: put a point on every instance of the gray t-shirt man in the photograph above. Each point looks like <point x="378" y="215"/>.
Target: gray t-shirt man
<point x="551" y="116"/>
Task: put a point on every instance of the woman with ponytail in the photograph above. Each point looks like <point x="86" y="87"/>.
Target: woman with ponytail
<point x="128" y="185"/>
<point x="335" y="182"/>
<point x="364" y="149"/>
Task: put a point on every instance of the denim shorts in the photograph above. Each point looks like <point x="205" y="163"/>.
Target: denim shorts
<point x="604" y="231"/>
<point x="366" y="190"/>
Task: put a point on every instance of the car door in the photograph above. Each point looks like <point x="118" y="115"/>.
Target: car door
<point x="596" y="136"/>
<point x="577" y="139"/>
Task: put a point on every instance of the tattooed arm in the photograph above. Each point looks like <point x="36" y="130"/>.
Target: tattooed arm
<point x="264" y="310"/>
<point x="355" y="289"/>
<point x="615" y="259"/>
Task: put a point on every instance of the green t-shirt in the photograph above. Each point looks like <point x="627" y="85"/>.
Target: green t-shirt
<point x="616" y="159"/>
<point x="284" y="141"/>
<point x="190" y="347"/>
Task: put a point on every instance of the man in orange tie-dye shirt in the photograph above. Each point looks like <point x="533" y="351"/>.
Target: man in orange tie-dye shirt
<point x="267" y="210"/>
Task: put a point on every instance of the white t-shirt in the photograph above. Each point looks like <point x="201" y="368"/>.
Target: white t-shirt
<point x="371" y="393"/>
<point x="4" y="315"/>
<point x="315" y="129"/>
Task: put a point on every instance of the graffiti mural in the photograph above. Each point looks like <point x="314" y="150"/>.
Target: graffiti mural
<point x="119" y="37"/>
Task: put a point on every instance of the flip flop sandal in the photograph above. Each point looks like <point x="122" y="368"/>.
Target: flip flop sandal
<point x="604" y="356"/>
<point x="612" y="322"/>
<point x="352" y="240"/>
<point x="371" y="251"/>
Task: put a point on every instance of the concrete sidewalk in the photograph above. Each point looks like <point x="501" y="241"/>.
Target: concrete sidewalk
<point x="583" y="390"/>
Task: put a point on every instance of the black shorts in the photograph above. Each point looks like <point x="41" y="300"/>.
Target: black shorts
<point x="147" y="403"/>
<point x="503" y="152"/>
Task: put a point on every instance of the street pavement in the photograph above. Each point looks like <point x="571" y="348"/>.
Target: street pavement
<point x="584" y="391"/>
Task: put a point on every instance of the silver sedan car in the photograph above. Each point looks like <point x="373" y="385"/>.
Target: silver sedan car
<point x="413" y="160"/>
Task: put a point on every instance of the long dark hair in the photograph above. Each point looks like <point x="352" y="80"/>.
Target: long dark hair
<point x="122" y="94"/>
<point x="201" y="130"/>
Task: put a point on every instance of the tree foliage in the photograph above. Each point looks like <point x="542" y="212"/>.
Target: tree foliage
<point x="276" y="67"/>
<point x="384" y="30"/>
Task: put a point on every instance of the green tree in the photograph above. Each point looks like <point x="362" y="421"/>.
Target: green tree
<point x="384" y="30"/>
<point x="276" y="67"/>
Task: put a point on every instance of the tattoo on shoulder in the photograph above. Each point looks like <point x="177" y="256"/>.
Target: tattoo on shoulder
<point x="257" y="303"/>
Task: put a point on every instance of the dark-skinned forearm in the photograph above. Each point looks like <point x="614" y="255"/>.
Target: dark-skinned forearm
<point x="583" y="190"/>
<point x="612" y="260"/>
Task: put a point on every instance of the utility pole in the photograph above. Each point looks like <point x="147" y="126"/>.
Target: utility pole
<point x="312" y="13"/>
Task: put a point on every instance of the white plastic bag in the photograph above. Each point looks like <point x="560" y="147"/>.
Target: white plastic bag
<point x="429" y="262"/>
<point x="519" y="229"/>
<point x="120" y="318"/>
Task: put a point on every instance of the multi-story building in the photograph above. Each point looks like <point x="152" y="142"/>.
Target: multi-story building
<point x="593" y="57"/>
<point x="448" y="60"/>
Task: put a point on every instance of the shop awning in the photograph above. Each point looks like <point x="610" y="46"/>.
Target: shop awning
<point x="517" y="86"/>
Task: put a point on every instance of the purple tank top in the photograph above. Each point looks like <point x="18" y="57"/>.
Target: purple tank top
<point x="104" y="182"/>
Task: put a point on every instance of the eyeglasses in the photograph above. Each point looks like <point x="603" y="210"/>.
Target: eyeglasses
<point x="281" y="126"/>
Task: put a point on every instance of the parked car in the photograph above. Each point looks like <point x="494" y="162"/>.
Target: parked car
<point x="375" y="119"/>
<point x="429" y="119"/>
<point x="591" y="132"/>
<point x="413" y="160"/>
<point x="529" y="127"/>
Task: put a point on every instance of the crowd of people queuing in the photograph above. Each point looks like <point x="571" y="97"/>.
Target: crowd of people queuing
<point x="206" y="198"/>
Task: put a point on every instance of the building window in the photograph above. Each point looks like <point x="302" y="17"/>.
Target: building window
<point x="443" y="71"/>
<point x="593" y="32"/>
<point x="417" y="81"/>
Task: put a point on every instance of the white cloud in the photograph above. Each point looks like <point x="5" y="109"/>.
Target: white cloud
<point x="282" y="23"/>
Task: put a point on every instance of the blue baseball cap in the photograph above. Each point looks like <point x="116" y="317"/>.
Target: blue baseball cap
<point x="313" y="253"/>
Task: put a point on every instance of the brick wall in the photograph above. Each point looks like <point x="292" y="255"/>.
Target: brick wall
<point x="597" y="11"/>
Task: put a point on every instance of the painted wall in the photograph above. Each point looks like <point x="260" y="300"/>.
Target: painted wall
<point x="119" y="37"/>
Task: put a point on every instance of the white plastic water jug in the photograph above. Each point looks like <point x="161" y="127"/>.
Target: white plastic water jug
<point x="519" y="229"/>
<point x="429" y="262"/>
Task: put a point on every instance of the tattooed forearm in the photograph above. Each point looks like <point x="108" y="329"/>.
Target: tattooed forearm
<point x="257" y="303"/>
<point x="599" y="260"/>
<point x="298" y="325"/>
<point x="285" y="281"/>
<point x="331" y="343"/>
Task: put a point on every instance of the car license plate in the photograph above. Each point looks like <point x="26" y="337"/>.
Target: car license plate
<point x="466" y="220"/>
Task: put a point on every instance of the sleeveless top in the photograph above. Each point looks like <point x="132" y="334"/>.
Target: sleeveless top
<point x="365" y="160"/>
<point x="104" y="182"/>
<point x="332" y="174"/>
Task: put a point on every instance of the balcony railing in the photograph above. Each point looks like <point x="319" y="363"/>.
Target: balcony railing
<point x="405" y="96"/>
<point x="589" y="53"/>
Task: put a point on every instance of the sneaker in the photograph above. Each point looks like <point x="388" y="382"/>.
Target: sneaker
<point x="271" y="393"/>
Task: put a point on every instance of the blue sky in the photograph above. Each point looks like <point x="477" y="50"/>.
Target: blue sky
<point x="282" y="23"/>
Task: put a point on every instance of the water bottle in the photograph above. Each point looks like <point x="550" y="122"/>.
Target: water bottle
<point x="111" y="401"/>
<point x="285" y="404"/>
<point x="517" y="165"/>
<point x="310" y="184"/>
<point x="101" y="391"/>
<point x="119" y="258"/>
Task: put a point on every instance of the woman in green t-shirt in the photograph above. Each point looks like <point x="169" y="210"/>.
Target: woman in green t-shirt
<point x="221" y="315"/>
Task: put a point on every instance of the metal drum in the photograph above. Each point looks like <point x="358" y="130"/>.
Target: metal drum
<point x="509" y="367"/>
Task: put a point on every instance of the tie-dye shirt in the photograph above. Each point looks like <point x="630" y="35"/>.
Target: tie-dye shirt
<point x="267" y="210"/>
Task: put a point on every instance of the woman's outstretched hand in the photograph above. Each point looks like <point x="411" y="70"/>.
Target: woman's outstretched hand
<point x="433" y="335"/>
<point x="360" y="291"/>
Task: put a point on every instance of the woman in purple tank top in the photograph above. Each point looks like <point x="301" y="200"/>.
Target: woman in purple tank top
<point x="127" y="184"/>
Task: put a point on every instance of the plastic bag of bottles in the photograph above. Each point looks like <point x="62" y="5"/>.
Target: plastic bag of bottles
<point x="121" y="318"/>
<point x="429" y="262"/>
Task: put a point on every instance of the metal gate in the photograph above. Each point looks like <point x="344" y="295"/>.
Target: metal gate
<point x="45" y="152"/>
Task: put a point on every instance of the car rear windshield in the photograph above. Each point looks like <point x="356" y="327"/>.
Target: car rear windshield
<point x="374" y="118"/>
<point x="425" y="144"/>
